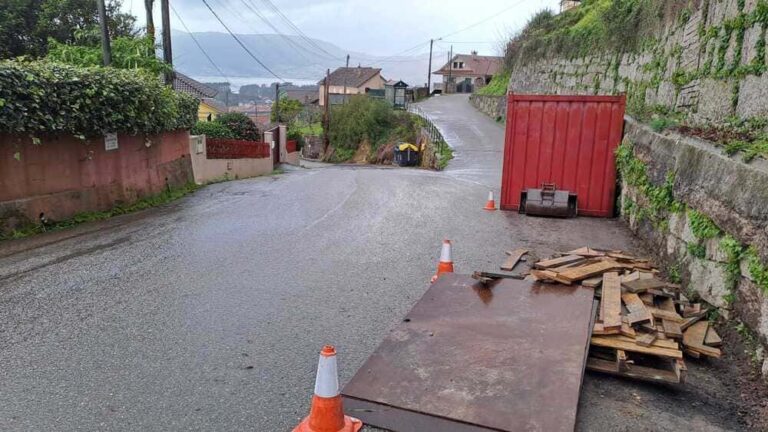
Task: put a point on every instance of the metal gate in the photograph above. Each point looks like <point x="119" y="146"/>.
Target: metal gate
<point x="566" y="140"/>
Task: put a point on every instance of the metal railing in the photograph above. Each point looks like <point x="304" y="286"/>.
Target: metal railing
<point x="432" y="130"/>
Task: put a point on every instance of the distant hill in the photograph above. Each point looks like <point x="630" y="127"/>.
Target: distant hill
<point x="290" y="57"/>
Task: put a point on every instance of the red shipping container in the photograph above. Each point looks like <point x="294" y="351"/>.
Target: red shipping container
<point x="566" y="140"/>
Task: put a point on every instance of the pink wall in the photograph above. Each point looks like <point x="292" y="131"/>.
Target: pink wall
<point x="64" y="175"/>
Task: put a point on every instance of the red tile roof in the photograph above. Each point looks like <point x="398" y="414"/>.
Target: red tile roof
<point x="473" y="65"/>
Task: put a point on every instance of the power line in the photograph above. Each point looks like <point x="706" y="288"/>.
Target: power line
<point x="198" y="43"/>
<point x="240" y="42"/>
<point x="253" y="8"/>
<point x="298" y="31"/>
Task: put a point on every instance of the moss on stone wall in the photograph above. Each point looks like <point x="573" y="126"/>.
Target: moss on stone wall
<point x="660" y="203"/>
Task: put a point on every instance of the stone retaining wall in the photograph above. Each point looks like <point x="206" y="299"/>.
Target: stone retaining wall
<point x="494" y="107"/>
<point x="733" y="195"/>
<point x="709" y="63"/>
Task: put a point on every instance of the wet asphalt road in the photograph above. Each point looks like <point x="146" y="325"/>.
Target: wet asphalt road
<point x="207" y="314"/>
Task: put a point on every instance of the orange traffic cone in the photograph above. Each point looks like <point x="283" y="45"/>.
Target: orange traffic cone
<point x="445" y="265"/>
<point x="327" y="412"/>
<point x="491" y="204"/>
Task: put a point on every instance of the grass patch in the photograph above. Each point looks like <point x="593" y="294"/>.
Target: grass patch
<point x="151" y="201"/>
<point x="445" y="154"/>
<point x="341" y="154"/>
<point x="497" y="86"/>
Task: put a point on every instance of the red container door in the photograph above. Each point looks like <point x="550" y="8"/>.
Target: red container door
<point x="566" y="140"/>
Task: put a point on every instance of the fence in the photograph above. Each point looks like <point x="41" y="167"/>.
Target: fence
<point x="434" y="132"/>
<point x="291" y="146"/>
<point x="236" y="149"/>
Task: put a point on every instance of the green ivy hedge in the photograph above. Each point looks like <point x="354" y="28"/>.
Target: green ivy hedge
<point x="42" y="97"/>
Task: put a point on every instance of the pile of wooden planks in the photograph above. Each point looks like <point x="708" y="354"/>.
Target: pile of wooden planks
<point x="644" y="325"/>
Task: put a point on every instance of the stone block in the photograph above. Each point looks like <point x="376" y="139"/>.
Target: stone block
<point x="762" y="328"/>
<point x="744" y="267"/>
<point x="749" y="49"/>
<point x="714" y="251"/>
<point x="748" y="303"/>
<point x="765" y="370"/>
<point x="677" y="222"/>
<point x="730" y="53"/>
<point x="666" y="94"/>
<point x="709" y="279"/>
<point x="650" y="96"/>
<point x="715" y="100"/>
<point x="753" y="96"/>
<point x="676" y="248"/>
<point x="749" y="5"/>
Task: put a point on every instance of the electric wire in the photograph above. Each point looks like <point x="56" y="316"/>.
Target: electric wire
<point x="205" y="2"/>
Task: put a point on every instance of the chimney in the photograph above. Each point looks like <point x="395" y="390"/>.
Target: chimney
<point x="474" y="53"/>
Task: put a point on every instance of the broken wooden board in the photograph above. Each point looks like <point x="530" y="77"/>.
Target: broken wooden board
<point x="712" y="339"/>
<point x="675" y="374"/>
<point x="580" y="273"/>
<point x="513" y="259"/>
<point x="413" y="381"/>
<point x="558" y="262"/>
<point x="646" y="339"/>
<point x="586" y="252"/>
<point x="694" y="337"/>
<point x="610" y="301"/>
<point x="665" y="315"/>
<point x="671" y="328"/>
<point x="659" y="343"/>
<point x="544" y="275"/>
<point x="687" y="322"/>
<point x="599" y="329"/>
<point x="638" y="312"/>
<point x="641" y="285"/>
<point x="592" y="282"/>
<point x="617" y="343"/>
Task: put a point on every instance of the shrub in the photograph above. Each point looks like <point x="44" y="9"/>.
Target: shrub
<point x="497" y="86"/>
<point x="359" y="119"/>
<point x="45" y="97"/>
<point x="212" y="130"/>
<point x="243" y="127"/>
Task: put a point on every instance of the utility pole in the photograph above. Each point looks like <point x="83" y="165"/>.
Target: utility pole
<point x="450" y="68"/>
<point x="345" y="80"/>
<point x="167" y="52"/>
<point x="106" y="49"/>
<point x="326" y="138"/>
<point x="148" y="6"/>
<point x="277" y="102"/>
<point x="429" y="70"/>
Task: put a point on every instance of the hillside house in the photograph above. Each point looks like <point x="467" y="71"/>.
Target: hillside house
<point x="346" y="81"/>
<point x="466" y="73"/>
<point x="209" y="107"/>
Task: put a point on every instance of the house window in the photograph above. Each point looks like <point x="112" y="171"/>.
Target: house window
<point x="458" y="65"/>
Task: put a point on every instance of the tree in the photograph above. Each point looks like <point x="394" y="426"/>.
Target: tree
<point x="18" y="22"/>
<point x="289" y="109"/>
<point x="127" y="53"/>
<point x="27" y="25"/>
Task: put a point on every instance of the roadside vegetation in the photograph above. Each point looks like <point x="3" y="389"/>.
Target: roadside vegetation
<point x="230" y="126"/>
<point x="151" y="201"/>
<point x="497" y="86"/>
<point x="367" y="128"/>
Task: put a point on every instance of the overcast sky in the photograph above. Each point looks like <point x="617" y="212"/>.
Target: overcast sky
<point x="374" y="27"/>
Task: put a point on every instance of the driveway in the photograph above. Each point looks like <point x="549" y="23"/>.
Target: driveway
<point x="208" y="314"/>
